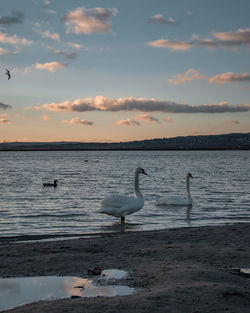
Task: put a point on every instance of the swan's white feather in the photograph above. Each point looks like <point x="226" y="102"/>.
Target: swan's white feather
<point x="119" y="205"/>
<point x="178" y="200"/>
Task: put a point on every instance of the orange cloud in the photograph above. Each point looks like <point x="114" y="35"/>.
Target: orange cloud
<point x="50" y="66"/>
<point x="230" y="40"/>
<point x="233" y="121"/>
<point x="187" y="77"/>
<point x="4" y="121"/>
<point x="48" y="34"/>
<point x="45" y="117"/>
<point x="101" y="103"/>
<point x="229" y="78"/>
<point x="168" y="119"/>
<point x="4" y="51"/>
<point x="221" y="79"/>
<point x="128" y="122"/>
<point x="14" y="40"/>
<point x="161" y="19"/>
<point x="78" y="121"/>
<point x="146" y="117"/>
<point x="171" y="44"/>
<point x="87" y="21"/>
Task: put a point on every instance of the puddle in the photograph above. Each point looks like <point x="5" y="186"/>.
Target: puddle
<point x="18" y="291"/>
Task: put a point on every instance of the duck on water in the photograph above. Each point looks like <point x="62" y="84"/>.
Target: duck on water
<point x="50" y="184"/>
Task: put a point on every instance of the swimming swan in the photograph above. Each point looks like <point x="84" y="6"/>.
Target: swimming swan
<point x="119" y="205"/>
<point x="178" y="200"/>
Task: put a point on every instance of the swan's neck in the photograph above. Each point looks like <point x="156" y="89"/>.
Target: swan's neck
<point x="137" y="191"/>
<point x="188" y="188"/>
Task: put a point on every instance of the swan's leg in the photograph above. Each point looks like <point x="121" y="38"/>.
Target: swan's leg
<point x="123" y="220"/>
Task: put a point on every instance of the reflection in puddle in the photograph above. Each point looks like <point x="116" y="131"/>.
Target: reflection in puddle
<point x="18" y="291"/>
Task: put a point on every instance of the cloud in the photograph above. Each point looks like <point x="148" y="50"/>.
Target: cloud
<point x="220" y="79"/>
<point x="232" y="40"/>
<point x="128" y="122"/>
<point x="45" y="117"/>
<point x="27" y="70"/>
<point x="68" y="55"/>
<point x="87" y="21"/>
<point x="161" y="19"/>
<point x="48" y="34"/>
<point x="241" y="36"/>
<point x="4" y="121"/>
<point x="229" y="77"/>
<point x="50" y="66"/>
<point x="4" y="51"/>
<point x="14" y="40"/>
<point x="146" y="117"/>
<point x="15" y="18"/>
<point x="233" y="121"/>
<point x="37" y="107"/>
<point x="75" y="45"/>
<point x="101" y="103"/>
<point x="5" y="106"/>
<point x="168" y="119"/>
<point x="171" y="44"/>
<point x="78" y="121"/>
<point x="187" y="77"/>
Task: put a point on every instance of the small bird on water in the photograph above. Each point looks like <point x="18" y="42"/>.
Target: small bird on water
<point x="50" y="185"/>
<point x="8" y="73"/>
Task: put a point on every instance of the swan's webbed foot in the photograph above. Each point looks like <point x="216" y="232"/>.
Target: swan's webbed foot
<point x="122" y="220"/>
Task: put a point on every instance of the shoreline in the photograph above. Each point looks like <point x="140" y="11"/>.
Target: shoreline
<point x="127" y="149"/>
<point x="182" y="270"/>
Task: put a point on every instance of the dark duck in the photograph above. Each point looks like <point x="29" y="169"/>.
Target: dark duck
<point x="50" y="184"/>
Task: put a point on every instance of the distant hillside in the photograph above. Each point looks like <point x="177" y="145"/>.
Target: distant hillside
<point x="236" y="141"/>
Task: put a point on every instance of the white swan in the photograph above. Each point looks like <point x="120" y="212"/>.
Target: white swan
<point x="119" y="205"/>
<point x="178" y="200"/>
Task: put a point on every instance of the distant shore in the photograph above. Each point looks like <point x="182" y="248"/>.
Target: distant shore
<point x="9" y="150"/>
<point x="183" y="270"/>
<point x="234" y="141"/>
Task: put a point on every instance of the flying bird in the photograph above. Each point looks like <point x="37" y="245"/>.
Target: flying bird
<point x="8" y="73"/>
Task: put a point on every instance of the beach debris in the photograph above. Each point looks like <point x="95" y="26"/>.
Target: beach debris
<point x="74" y="297"/>
<point x="96" y="271"/>
<point x="245" y="272"/>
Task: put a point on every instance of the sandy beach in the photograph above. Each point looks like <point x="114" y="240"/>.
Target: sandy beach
<point x="187" y="270"/>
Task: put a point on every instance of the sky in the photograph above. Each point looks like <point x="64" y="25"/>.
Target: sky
<point x="115" y="70"/>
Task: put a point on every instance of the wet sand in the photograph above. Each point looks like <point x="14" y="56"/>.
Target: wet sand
<point x="187" y="270"/>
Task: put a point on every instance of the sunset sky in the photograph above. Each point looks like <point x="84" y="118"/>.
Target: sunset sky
<point x="119" y="70"/>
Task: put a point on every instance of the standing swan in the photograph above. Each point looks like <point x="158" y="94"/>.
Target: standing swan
<point x="178" y="200"/>
<point x="120" y="206"/>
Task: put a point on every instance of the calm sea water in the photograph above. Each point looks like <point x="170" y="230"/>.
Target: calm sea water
<point x="220" y="189"/>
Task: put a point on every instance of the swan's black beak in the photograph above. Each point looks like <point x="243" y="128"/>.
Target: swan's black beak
<point x="143" y="172"/>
